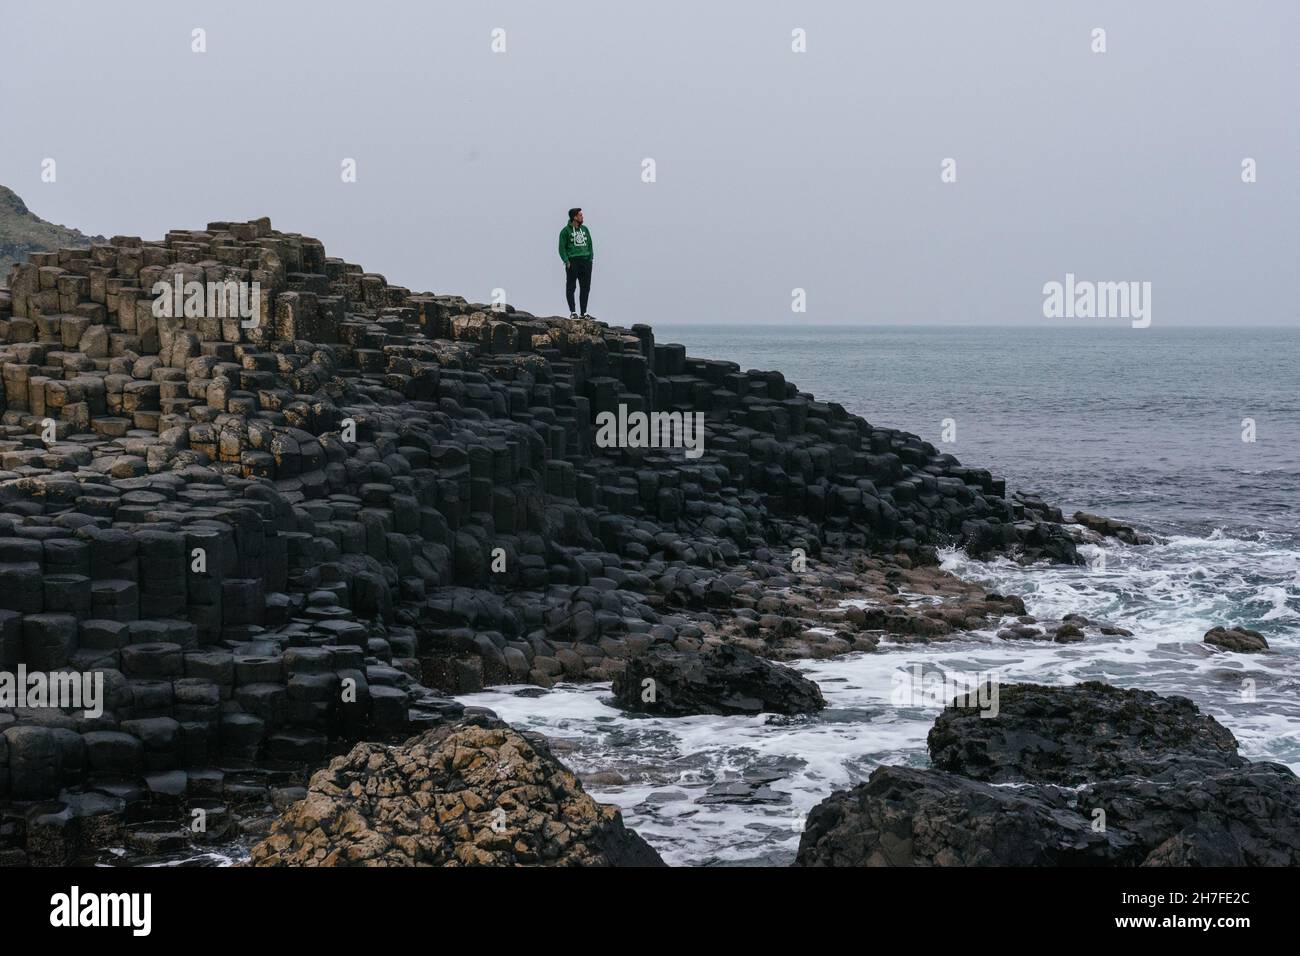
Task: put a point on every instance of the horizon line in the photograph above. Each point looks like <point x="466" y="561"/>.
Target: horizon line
<point x="958" y="325"/>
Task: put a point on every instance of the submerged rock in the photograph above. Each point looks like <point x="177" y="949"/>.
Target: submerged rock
<point x="1110" y="528"/>
<point x="719" y="680"/>
<point x="1067" y="776"/>
<point x="1240" y="639"/>
<point x="474" y="794"/>
<point x="1072" y="629"/>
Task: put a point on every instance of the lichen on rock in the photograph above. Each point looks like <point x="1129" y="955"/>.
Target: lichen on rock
<point x="478" y="793"/>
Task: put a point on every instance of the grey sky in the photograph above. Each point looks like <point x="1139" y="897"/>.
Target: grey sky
<point x="775" y="170"/>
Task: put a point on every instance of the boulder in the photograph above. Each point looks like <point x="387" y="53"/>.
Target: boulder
<point x="1183" y="817"/>
<point x="722" y="679"/>
<point x="907" y="817"/>
<point x="1067" y="776"/>
<point x="1110" y="528"/>
<point x="1239" y="639"/>
<point x="1074" y="735"/>
<point x="477" y="793"/>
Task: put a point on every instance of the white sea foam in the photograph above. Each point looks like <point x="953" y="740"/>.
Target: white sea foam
<point x="1168" y="594"/>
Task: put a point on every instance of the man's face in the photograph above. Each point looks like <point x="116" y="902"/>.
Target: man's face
<point x="578" y="218"/>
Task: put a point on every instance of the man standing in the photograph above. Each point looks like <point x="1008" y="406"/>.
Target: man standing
<point x="576" y="252"/>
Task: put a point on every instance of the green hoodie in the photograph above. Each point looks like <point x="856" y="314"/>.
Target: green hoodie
<point x="575" y="243"/>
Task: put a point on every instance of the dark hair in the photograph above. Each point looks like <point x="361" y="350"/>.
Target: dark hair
<point x="574" y="211"/>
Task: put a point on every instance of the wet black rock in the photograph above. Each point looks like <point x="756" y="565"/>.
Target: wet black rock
<point x="1072" y="629"/>
<point x="1248" y="815"/>
<point x="722" y="679"/>
<point x="1183" y="817"/>
<point x="1110" y="528"/>
<point x="907" y="817"/>
<point x="1074" y="735"/>
<point x="1036" y="534"/>
<point x="1087" y="775"/>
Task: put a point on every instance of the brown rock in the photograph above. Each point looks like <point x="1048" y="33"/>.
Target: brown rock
<point x="1240" y="639"/>
<point x="473" y="794"/>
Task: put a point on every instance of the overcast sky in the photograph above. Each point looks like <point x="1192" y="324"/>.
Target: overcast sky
<point x="775" y="169"/>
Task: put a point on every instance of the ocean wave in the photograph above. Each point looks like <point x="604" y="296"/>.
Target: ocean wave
<point x="718" y="790"/>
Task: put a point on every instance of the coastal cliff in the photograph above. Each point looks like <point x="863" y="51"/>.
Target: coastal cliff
<point x="278" y="532"/>
<point x="22" y="233"/>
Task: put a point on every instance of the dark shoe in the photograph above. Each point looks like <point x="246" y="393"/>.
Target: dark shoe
<point x="573" y="315"/>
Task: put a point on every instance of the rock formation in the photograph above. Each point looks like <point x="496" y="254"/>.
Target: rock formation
<point x="1075" y="735"/>
<point x="1110" y="528"/>
<point x="721" y="679"/>
<point x="475" y="794"/>
<point x="1240" y="639"/>
<point x="1082" y="775"/>
<point x="22" y="233"/>
<point x="278" y="532"/>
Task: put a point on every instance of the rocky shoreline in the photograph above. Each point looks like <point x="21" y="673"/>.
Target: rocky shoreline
<point x="282" y="538"/>
<point x="1089" y="775"/>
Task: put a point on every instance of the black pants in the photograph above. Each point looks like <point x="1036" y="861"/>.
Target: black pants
<point x="579" y="271"/>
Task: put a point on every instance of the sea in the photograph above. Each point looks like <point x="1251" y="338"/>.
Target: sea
<point x="1190" y="434"/>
